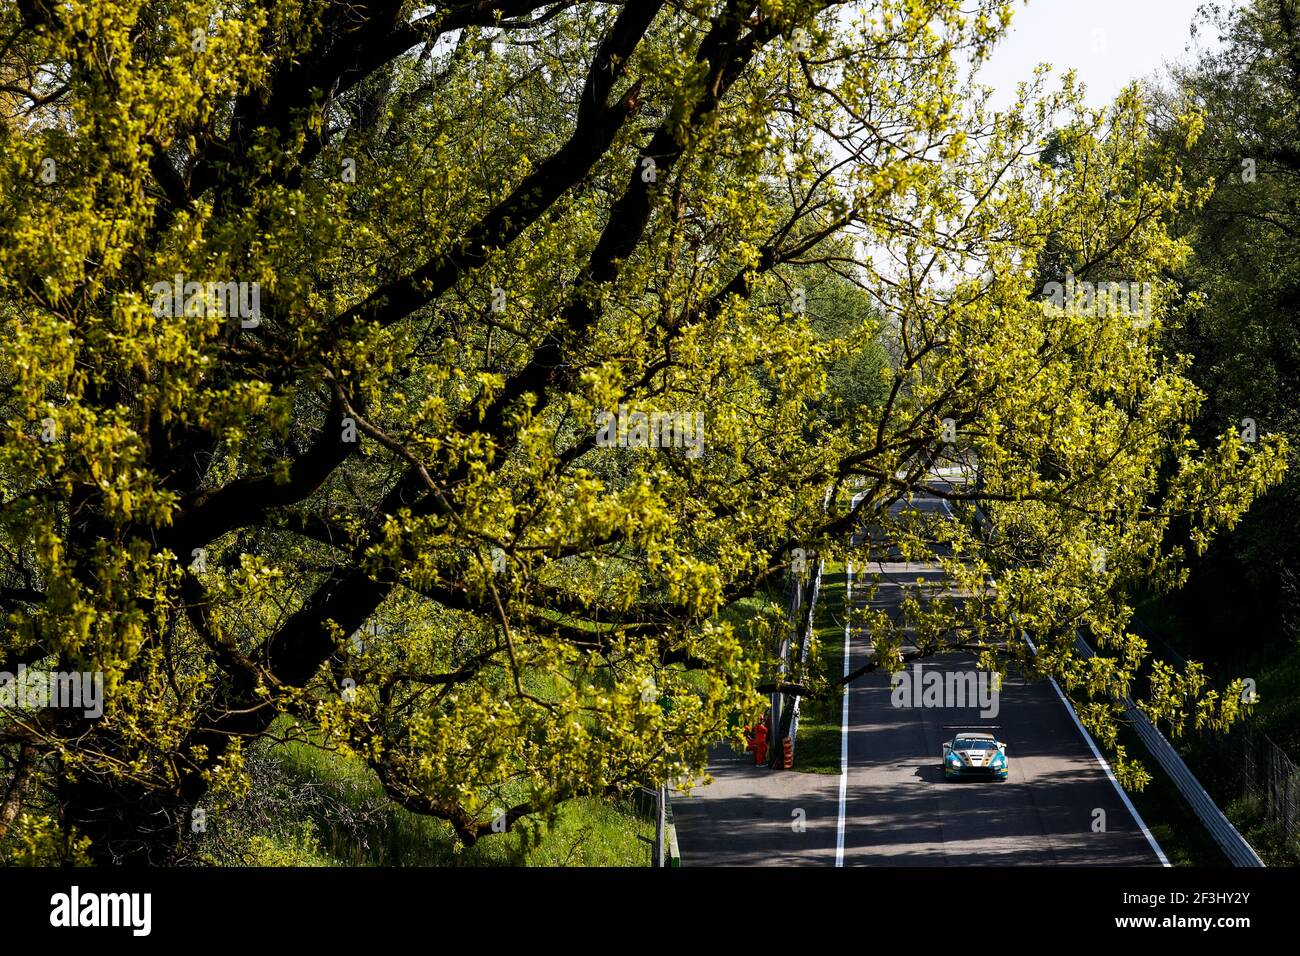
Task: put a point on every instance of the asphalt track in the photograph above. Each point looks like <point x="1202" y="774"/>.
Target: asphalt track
<point x="898" y="809"/>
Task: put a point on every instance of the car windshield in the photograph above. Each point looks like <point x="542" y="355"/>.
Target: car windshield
<point x="972" y="743"/>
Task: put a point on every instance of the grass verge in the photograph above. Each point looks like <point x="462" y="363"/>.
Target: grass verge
<point x="818" y="748"/>
<point x="311" y="807"/>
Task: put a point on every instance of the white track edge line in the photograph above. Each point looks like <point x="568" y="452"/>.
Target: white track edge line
<point x="844" y="718"/>
<point x="1092" y="745"/>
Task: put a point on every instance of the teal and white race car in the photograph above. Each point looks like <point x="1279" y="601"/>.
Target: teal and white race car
<point x="973" y="753"/>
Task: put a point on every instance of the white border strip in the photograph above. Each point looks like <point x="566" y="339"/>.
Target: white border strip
<point x="1092" y="745"/>
<point x="844" y="719"/>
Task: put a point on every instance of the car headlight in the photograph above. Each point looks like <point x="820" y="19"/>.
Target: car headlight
<point x="954" y="760"/>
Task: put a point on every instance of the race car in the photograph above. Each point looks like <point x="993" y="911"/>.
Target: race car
<point x="973" y="753"/>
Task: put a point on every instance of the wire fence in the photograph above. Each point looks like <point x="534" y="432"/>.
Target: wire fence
<point x="1248" y="766"/>
<point x="1243" y="764"/>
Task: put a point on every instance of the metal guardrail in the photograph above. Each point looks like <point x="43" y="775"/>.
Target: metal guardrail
<point x="1233" y="844"/>
<point x="805" y="644"/>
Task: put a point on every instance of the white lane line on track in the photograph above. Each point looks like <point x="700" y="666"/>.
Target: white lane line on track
<point x="1092" y="745"/>
<point x="844" y="719"/>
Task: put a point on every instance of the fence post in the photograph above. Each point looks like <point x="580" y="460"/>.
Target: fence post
<point x="661" y="811"/>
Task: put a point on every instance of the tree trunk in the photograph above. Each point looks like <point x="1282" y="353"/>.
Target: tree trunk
<point x="127" y="824"/>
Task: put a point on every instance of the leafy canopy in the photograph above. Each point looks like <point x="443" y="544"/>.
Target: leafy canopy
<point x="378" y="505"/>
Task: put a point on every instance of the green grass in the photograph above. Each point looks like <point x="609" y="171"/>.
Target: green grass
<point x="818" y="747"/>
<point x="1278" y="711"/>
<point x="1269" y="840"/>
<point x="312" y="807"/>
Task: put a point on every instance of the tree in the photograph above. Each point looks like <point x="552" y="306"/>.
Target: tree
<point x="317" y="316"/>
<point x="1241" y="287"/>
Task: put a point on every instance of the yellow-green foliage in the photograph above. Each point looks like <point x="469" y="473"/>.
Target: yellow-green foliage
<point x="466" y="249"/>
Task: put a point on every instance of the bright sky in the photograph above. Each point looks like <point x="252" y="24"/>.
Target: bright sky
<point x="1109" y="42"/>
